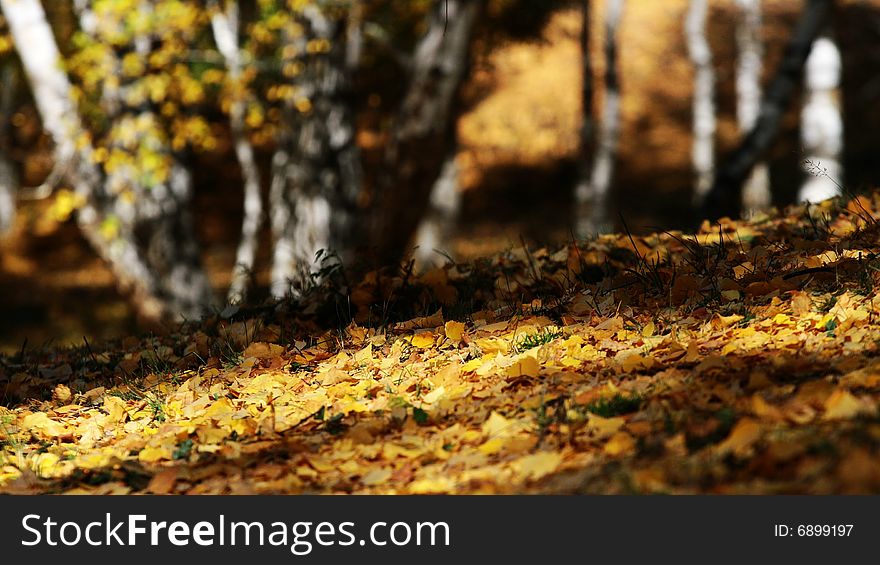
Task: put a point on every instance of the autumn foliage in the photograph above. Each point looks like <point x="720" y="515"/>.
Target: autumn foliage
<point x="738" y="359"/>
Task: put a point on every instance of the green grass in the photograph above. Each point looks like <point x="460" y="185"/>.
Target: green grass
<point x="183" y="449"/>
<point x="616" y="405"/>
<point x="530" y="341"/>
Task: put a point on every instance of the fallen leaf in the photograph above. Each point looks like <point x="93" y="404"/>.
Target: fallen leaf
<point x="535" y="466"/>
<point x="743" y="435"/>
<point x="163" y="482"/>
<point x="454" y="331"/>
<point x="844" y="405"/>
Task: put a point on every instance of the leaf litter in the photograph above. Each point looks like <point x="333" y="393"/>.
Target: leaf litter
<point x="743" y="358"/>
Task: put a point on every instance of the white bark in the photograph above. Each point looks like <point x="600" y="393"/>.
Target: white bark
<point x="182" y="285"/>
<point x="434" y="236"/>
<point x="750" y="53"/>
<point x="726" y="195"/>
<point x="703" y="148"/>
<point x="422" y="134"/>
<point x="8" y="186"/>
<point x="583" y="190"/>
<point x="9" y="179"/>
<point x="593" y="209"/>
<point x="282" y="274"/>
<point x="39" y="55"/>
<point x="225" y="26"/>
<point x="316" y="178"/>
<point x="821" y="123"/>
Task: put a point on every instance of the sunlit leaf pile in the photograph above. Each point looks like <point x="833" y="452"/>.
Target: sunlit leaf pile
<point x="740" y="359"/>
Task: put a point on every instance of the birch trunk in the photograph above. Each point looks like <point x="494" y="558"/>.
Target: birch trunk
<point x="822" y="123"/>
<point x="582" y="191"/>
<point x="316" y="181"/>
<point x="225" y="25"/>
<point x="593" y="198"/>
<point x="421" y="135"/>
<point x="703" y="148"/>
<point x="434" y="236"/>
<point x="158" y="217"/>
<point x="726" y="193"/>
<point x="749" y="67"/>
<point x="9" y="179"/>
<point x="40" y="58"/>
<point x="154" y="254"/>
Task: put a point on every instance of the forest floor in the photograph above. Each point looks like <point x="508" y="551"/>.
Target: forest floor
<point x="741" y="359"/>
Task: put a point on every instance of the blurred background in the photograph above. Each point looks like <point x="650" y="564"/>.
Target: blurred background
<point x="514" y="133"/>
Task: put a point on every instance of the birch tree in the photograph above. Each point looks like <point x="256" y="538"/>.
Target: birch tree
<point x="132" y="195"/>
<point x="822" y="123"/>
<point x="8" y="174"/>
<point x="434" y="235"/>
<point x="147" y="190"/>
<point x="703" y="146"/>
<point x="225" y="26"/>
<point x="592" y="196"/>
<point x="749" y="67"/>
<point x="726" y="193"/>
<point x="421" y="137"/>
<point x="582" y="192"/>
<point x="316" y="170"/>
<point x="51" y="90"/>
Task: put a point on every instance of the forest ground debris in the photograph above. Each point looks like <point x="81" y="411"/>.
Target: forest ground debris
<point x="740" y="359"/>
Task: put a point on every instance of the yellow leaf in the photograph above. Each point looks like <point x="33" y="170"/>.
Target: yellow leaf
<point x="649" y="329"/>
<point x="497" y="425"/>
<point x="39" y="424"/>
<point x="537" y="465"/>
<point x="781" y="319"/>
<point x="693" y="352"/>
<point x="431" y="486"/>
<point x="376" y="476"/>
<point x="492" y="446"/>
<point x="153" y="454"/>
<point x="335" y="376"/>
<point x="364" y="356"/>
<point x="843" y="405"/>
<point x="434" y="395"/>
<point x="454" y="331"/>
<point x="423" y="340"/>
<point x="220" y="409"/>
<point x="94" y="460"/>
<point x="489" y="345"/>
<point x="524" y="365"/>
<point x="741" y="438"/>
<point x="471" y="365"/>
<point x="115" y="408"/>
<point x="262" y="350"/>
<point x="45" y="464"/>
<point x="620" y="443"/>
<point x="604" y="427"/>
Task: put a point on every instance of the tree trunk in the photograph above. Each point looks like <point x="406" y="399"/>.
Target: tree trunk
<point x="316" y="183"/>
<point x="725" y="195"/>
<point x="703" y="147"/>
<point x="749" y="67"/>
<point x="822" y="124"/>
<point x="593" y="197"/>
<point x="153" y="255"/>
<point x="583" y="189"/>
<point x="420" y="138"/>
<point x="225" y="25"/>
<point x="434" y="235"/>
<point x="9" y="180"/>
<point x="158" y="218"/>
